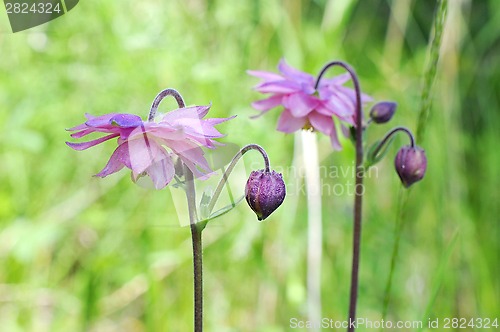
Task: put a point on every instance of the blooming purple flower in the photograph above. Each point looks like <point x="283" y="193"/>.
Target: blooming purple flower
<point x="306" y="107"/>
<point x="142" y="145"/>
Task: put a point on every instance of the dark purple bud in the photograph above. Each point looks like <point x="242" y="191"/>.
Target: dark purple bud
<point x="411" y="164"/>
<point x="265" y="191"/>
<point x="382" y="112"/>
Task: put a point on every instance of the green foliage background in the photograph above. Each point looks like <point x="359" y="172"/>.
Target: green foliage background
<point x="84" y="254"/>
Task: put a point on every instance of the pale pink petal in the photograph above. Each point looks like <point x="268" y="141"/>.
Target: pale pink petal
<point x="287" y="123"/>
<point x="282" y="87"/>
<point x="334" y="140"/>
<point x="345" y="131"/>
<point x="190" y="151"/>
<point x="161" y="172"/>
<point x="143" y="152"/>
<point x="193" y="112"/>
<point x="321" y="122"/>
<point x="337" y="80"/>
<point x="86" y="145"/>
<point x="268" y="103"/>
<point x="292" y="73"/>
<point x="196" y="172"/>
<point x="300" y="104"/>
<point x="265" y="75"/>
<point x="161" y="131"/>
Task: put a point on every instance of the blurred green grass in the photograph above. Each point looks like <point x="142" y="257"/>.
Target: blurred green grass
<point x="78" y="253"/>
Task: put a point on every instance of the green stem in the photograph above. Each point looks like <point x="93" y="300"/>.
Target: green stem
<point x="197" y="251"/>
<point x="430" y="72"/>
<point x="358" y="198"/>
<point x="196" y="228"/>
<point x="389" y="135"/>
<point x="403" y="194"/>
<point x="426" y="103"/>
<point x="230" y="168"/>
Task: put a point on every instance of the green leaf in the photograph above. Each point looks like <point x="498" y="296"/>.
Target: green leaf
<point x="205" y="202"/>
<point x="373" y="156"/>
<point x="223" y="210"/>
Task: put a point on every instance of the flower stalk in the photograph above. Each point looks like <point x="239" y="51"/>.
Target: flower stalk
<point x="358" y="198"/>
<point x="196" y="230"/>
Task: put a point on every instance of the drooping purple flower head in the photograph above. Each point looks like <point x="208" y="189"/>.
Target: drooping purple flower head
<point x="304" y="106"/>
<point x="151" y="147"/>
<point x="264" y="192"/>
<point x="411" y="164"/>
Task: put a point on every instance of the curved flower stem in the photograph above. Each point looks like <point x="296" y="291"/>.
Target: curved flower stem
<point x="167" y="92"/>
<point x="196" y="228"/>
<point x="230" y="168"/>
<point x="390" y="134"/>
<point x="358" y="198"/>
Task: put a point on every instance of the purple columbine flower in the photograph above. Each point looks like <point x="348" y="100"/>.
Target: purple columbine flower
<point x="264" y="192"/>
<point x="151" y="147"/>
<point x="411" y="164"/>
<point x="306" y="107"/>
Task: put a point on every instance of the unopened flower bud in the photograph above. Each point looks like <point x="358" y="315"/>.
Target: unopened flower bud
<point x="411" y="164"/>
<point x="383" y="111"/>
<point x="264" y="192"/>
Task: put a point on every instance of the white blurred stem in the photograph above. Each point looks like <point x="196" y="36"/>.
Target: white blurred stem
<point x="314" y="225"/>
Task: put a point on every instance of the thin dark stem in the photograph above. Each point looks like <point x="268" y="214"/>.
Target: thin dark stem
<point x="389" y="135"/>
<point x="167" y="92"/>
<point x="230" y="168"/>
<point x="358" y="199"/>
<point x="198" y="277"/>
<point x="196" y="229"/>
<point x="197" y="251"/>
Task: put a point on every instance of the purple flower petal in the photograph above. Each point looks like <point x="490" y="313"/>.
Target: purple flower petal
<point x="144" y="152"/>
<point x="294" y="74"/>
<point x="79" y="127"/>
<point x="126" y="120"/>
<point x="161" y="172"/>
<point x="268" y="103"/>
<point x="82" y="133"/>
<point x="265" y="75"/>
<point x="191" y="152"/>
<point x="194" y="112"/>
<point x="300" y="104"/>
<point x="321" y="122"/>
<point x="278" y="87"/>
<point x="337" y="80"/>
<point x="334" y="140"/>
<point x="86" y="145"/>
<point x="99" y="121"/>
<point x="116" y="162"/>
<point x="287" y="123"/>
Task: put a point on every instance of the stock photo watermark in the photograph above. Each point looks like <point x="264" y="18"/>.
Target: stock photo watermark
<point x="369" y="324"/>
<point x="334" y="180"/>
<point x="26" y="14"/>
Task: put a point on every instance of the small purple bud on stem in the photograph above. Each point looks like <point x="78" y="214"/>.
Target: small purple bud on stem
<point x="383" y="111"/>
<point x="411" y="164"/>
<point x="264" y="192"/>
